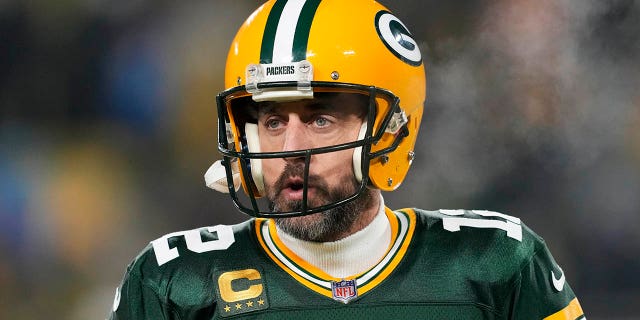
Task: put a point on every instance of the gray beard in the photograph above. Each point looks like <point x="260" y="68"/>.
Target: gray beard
<point x="325" y="226"/>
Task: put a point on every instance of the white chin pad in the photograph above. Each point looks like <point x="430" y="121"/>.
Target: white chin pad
<point x="253" y="144"/>
<point x="357" y="154"/>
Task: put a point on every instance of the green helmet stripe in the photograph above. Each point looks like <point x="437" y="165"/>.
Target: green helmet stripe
<point x="287" y="29"/>
<point x="269" y="36"/>
<point x="301" y="38"/>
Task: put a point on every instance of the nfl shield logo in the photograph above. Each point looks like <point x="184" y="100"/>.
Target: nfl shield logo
<point x="344" y="291"/>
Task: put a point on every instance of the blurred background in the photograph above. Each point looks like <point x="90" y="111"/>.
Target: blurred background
<point x="108" y="123"/>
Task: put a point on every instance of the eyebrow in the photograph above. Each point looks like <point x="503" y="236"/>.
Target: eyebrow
<point x="264" y="108"/>
<point x="268" y="107"/>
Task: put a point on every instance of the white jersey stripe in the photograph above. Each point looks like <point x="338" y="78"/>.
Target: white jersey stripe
<point x="403" y="226"/>
<point x="362" y="279"/>
<point x="272" y="247"/>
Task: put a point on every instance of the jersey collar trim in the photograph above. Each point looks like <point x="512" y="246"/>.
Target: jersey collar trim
<point x="402" y="229"/>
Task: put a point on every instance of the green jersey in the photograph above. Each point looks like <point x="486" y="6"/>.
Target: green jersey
<point x="446" y="264"/>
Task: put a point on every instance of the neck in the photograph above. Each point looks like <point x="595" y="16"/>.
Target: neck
<point x="352" y="254"/>
<point x="368" y="214"/>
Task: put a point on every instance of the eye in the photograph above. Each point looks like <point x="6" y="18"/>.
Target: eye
<point x="321" y="122"/>
<point x="273" y="123"/>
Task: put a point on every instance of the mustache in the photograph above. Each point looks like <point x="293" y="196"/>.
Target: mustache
<point x="297" y="171"/>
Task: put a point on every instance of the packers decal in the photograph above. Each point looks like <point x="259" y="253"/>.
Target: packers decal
<point x="397" y="38"/>
<point x="240" y="291"/>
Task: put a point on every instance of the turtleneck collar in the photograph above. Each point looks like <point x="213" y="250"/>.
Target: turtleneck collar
<point x="348" y="256"/>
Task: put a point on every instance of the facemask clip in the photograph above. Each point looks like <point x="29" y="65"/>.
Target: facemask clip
<point x="300" y="72"/>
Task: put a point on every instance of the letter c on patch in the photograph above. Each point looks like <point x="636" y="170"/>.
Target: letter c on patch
<point x="226" y="290"/>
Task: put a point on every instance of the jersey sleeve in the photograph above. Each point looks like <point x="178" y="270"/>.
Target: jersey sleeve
<point x="136" y="300"/>
<point x="543" y="292"/>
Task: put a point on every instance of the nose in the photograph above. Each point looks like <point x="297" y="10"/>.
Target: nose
<point x="296" y="137"/>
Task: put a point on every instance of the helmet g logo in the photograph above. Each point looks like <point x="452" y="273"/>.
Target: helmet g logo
<point x="397" y="38"/>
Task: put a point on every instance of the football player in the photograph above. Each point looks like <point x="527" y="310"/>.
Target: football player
<point x="321" y="112"/>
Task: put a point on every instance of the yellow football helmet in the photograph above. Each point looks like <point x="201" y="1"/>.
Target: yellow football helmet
<point x="289" y="50"/>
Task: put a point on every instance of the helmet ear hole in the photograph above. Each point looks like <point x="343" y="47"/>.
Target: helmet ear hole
<point x="253" y="144"/>
<point x="357" y="154"/>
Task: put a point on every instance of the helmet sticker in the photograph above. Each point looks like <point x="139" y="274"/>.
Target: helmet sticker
<point x="397" y="38"/>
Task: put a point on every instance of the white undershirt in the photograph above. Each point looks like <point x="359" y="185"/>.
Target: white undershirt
<point x="348" y="256"/>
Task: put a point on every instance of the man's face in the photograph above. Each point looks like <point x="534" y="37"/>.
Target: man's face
<point x="307" y="124"/>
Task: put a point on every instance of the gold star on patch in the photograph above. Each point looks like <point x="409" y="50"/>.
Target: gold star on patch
<point x="250" y="304"/>
<point x="261" y="302"/>
<point x="238" y="306"/>
<point x="227" y="308"/>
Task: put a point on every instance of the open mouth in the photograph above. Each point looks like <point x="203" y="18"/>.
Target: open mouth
<point x="293" y="188"/>
<point x="295" y="184"/>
